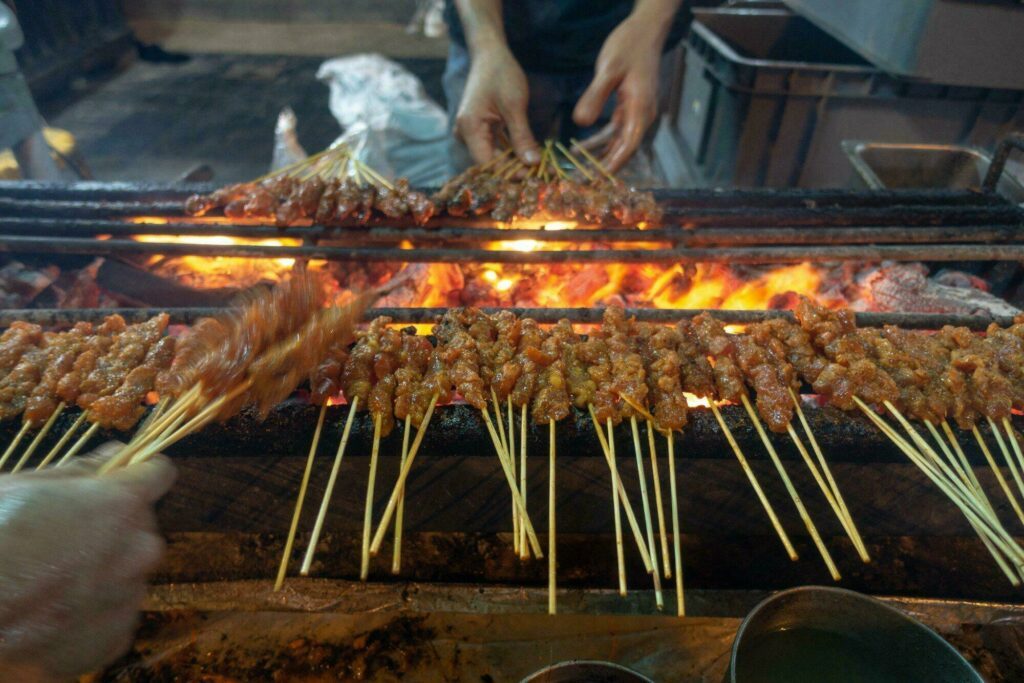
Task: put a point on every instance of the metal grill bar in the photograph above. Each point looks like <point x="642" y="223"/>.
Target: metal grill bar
<point x="95" y="192"/>
<point x="30" y="227"/>
<point x="924" y="321"/>
<point x="746" y="255"/>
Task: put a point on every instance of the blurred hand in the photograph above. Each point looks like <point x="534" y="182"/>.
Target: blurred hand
<point x="75" y="550"/>
<point x="628" y="66"/>
<point x="495" y="98"/>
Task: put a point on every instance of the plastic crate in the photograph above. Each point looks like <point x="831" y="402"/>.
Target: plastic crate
<point x="768" y="97"/>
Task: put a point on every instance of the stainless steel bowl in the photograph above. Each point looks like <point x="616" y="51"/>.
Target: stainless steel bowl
<point x="830" y="635"/>
<point x="582" y="671"/>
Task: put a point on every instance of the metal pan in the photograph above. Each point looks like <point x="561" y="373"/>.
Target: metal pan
<point x="830" y="635"/>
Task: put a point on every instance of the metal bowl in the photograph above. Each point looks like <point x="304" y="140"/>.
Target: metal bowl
<point x="831" y="635"/>
<point x="581" y="671"/>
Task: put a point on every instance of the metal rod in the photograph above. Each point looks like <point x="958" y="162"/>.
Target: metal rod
<point x="693" y="198"/>
<point x="697" y="237"/>
<point x="928" y="321"/>
<point x="750" y="255"/>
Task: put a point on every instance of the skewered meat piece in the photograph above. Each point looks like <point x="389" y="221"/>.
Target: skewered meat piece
<point x="413" y="360"/>
<point x="1007" y="347"/>
<point x="420" y="207"/>
<point x="771" y="378"/>
<point x="15" y="341"/>
<point x="328" y="203"/>
<point x="18" y="384"/>
<point x="526" y="363"/>
<point x="463" y="357"/>
<point x="714" y="343"/>
<point x="122" y="409"/>
<point x="436" y="382"/>
<point x="581" y="385"/>
<point x="664" y="371"/>
<point x="96" y="346"/>
<point x="394" y="203"/>
<point x="63" y="351"/>
<point x="127" y="352"/>
<point x="988" y="391"/>
<point x="696" y="373"/>
<point x="388" y="349"/>
<point x="325" y="381"/>
<point x="595" y="355"/>
<point x="183" y="372"/>
<point x="628" y="374"/>
<point x="551" y="402"/>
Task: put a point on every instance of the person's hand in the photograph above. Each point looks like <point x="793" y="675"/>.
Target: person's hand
<point x="495" y="97"/>
<point x="75" y="549"/>
<point x="628" y="66"/>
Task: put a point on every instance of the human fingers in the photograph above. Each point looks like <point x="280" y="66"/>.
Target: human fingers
<point x="635" y="120"/>
<point x="520" y="135"/>
<point x="593" y="99"/>
<point x="148" y="480"/>
<point x="600" y="138"/>
<point x="475" y="131"/>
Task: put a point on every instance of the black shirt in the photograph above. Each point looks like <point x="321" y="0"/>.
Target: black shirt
<point x="560" y="35"/>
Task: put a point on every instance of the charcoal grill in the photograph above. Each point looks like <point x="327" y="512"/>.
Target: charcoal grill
<point x="227" y="518"/>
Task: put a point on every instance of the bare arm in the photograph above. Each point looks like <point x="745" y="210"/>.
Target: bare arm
<point x="628" y="66"/>
<point x="496" y="92"/>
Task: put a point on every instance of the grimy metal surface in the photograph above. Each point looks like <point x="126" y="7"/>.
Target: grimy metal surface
<point x="747" y="227"/>
<point x="926" y="321"/>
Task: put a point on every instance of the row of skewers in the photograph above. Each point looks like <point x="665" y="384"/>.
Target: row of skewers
<point x="334" y="188"/>
<point x="514" y="371"/>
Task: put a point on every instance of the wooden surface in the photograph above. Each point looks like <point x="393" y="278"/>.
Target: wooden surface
<point x="434" y="632"/>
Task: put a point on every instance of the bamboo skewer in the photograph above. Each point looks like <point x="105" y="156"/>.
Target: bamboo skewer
<point x="652" y="545"/>
<point x="512" y="459"/>
<point x="364" y="565"/>
<point x="954" y="464"/>
<point x="39" y="437"/>
<point x="286" y="555"/>
<point x="552" y="564"/>
<point x="677" y="554"/>
<point x="25" y="426"/>
<point x="620" y="556"/>
<point x="667" y="565"/>
<point x="524" y="548"/>
<point x="968" y="506"/>
<point x="399" y="488"/>
<point x="999" y="475"/>
<point x="966" y="465"/>
<point x="524" y="517"/>
<point x="804" y="515"/>
<point x="63" y="442"/>
<point x="1006" y="455"/>
<point x="790" y="550"/>
<point x="843" y="518"/>
<point x="1011" y="435"/>
<point x="396" y="553"/>
<point x="623" y="496"/>
<point x="325" y="502"/>
<point x="89" y="433"/>
<point x="837" y="495"/>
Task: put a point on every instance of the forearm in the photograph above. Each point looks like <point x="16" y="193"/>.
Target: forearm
<point x="482" y="24"/>
<point x="657" y="16"/>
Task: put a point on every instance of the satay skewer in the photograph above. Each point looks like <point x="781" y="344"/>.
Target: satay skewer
<point x="396" y="553"/>
<point x="667" y="565"/>
<point x="965" y="465"/>
<point x="801" y="509"/>
<point x="1011" y="435"/>
<point x="765" y="503"/>
<point x="25" y="426"/>
<point x="552" y="563"/>
<point x="999" y="475"/>
<point x="620" y="556"/>
<point x="84" y="439"/>
<point x="677" y="553"/>
<point x="314" y="539"/>
<point x="524" y="548"/>
<point x="623" y="496"/>
<point x="645" y="501"/>
<point x="39" y="437"/>
<point x="837" y="495"/>
<point x="399" y="488"/>
<point x="524" y="517"/>
<point x="1006" y="455"/>
<point x="290" y="540"/>
<point x="364" y="565"/>
<point x="969" y="506"/>
<point x="59" y="446"/>
<point x="512" y="455"/>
